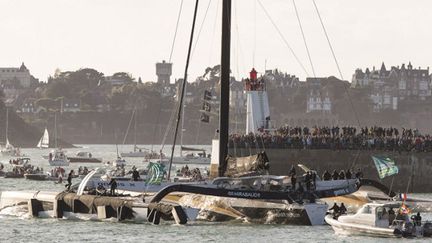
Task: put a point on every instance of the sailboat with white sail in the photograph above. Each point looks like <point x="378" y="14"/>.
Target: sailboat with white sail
<point x="9" y="149"/>
<point x="44" y="141"/>
<point x="57" y="157"/>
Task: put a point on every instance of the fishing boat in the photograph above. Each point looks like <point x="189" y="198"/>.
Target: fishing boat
<point x="44" y="141"/>
<point x="380" y="220"/>
<point x="84" y="157"/>
<point x="9" y="149"/>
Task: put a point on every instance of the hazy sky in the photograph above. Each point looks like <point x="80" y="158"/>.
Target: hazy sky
<point x="132" y="35"/>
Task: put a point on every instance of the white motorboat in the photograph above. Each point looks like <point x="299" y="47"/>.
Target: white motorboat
<point x="58" y="158"/>
<point x="379" y="220"/>
<point x="119" y="162"/>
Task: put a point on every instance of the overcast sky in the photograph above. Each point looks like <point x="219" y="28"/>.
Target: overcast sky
<point x="132" y="35"/>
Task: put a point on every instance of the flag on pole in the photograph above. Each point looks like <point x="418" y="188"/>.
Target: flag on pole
<point x="155" y="173"/>
<point x="385" y="166"/>
<point x="404" y="209"/>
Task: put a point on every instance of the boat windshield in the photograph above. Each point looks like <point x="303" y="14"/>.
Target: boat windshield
<point x="366" y="210"/>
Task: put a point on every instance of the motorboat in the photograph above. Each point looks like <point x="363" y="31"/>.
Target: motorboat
<point x="58" y="158"/>
<point x="380" y="220"/>
<point x="84" y="157"/>
<point x="19" y="167"/>
<point x="119" y="162"/>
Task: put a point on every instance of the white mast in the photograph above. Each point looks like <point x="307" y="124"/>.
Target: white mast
<point x="135" y="130"/>
<point x="55" y="129"/>
<point x="7" y="126"/>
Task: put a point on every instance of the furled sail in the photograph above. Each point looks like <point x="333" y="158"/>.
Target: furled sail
<point x="246" y="166"/>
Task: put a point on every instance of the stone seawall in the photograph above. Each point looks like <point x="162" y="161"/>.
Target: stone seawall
<point x="418" y="166"/>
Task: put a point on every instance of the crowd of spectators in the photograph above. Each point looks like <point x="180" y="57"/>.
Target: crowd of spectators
<point x="336" y="138"/>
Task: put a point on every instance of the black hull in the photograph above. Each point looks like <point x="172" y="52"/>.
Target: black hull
<point x="84" y="160"/>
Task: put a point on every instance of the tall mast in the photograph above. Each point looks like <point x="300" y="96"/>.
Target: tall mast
<point x="179" y="111"/>
<point x="135" y="130"/>
<point x="182" y="125"/>
<point x="225" y="85"/>
<point x="7" y="124"/>
<point x="55" y="129"/>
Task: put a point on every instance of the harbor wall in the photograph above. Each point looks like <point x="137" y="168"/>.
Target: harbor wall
<point x="415" y="169"/>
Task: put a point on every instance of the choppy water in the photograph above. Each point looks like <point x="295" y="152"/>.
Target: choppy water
<point x="16" y="226"/>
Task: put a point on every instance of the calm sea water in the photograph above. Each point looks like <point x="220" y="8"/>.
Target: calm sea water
<point x="16" y="226"/>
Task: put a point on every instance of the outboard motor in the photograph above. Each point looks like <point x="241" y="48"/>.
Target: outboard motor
<point x="408" y="229"/>
<point x="427" y="229"/>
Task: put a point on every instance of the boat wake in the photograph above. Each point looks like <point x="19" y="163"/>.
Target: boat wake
<point x="19" y="211"/>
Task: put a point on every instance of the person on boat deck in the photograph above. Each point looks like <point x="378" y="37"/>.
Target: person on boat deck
<point x="69" y="180"/>
<point x="342" y="175"/>
<point x="113" y="184"/>
<point x="60" y="179"/>
<point x="335" y="209"/>
<point x="359" y="174"/>
<point x="293" y="181"/>
<point x="417" y="219"/>
<point x="348" y="174"/>
<point x="392" y="215"/>
<point x="50" y="156"/>
<point x="300" y="188"/>
<point x="335" y="175"/>
<point x="135" y="175"/>
<point x="308" y="181"/>
<point x="314" y="177"/>
<point x="342" y="209"/>
<point x="326" y="176"/>
<point x="292" y="171"/>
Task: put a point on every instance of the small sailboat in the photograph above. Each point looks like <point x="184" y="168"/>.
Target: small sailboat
<point x="57" y="157"/>
<point x="137" y="152"/>
<point x="44" y="141"/>
<point x="119" y="161"/>
<point x="9" y="149"/>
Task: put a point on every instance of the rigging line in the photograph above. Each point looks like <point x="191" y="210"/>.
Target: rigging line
<point x="328" y="39"/>
<point x="168" y="128"/>
<point x="129" y="125"/>
<point x="201" y="27"/>
<point x="156" y="124"/>
<point x="304" y="38"/>
<point x="180" y="105"/>
<point x="254" y="43"/>
<point x="337" y="64"/>
<point x="176" y="30"/>
<point x="237" y="39"/>
<point x="283" y="38"/>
